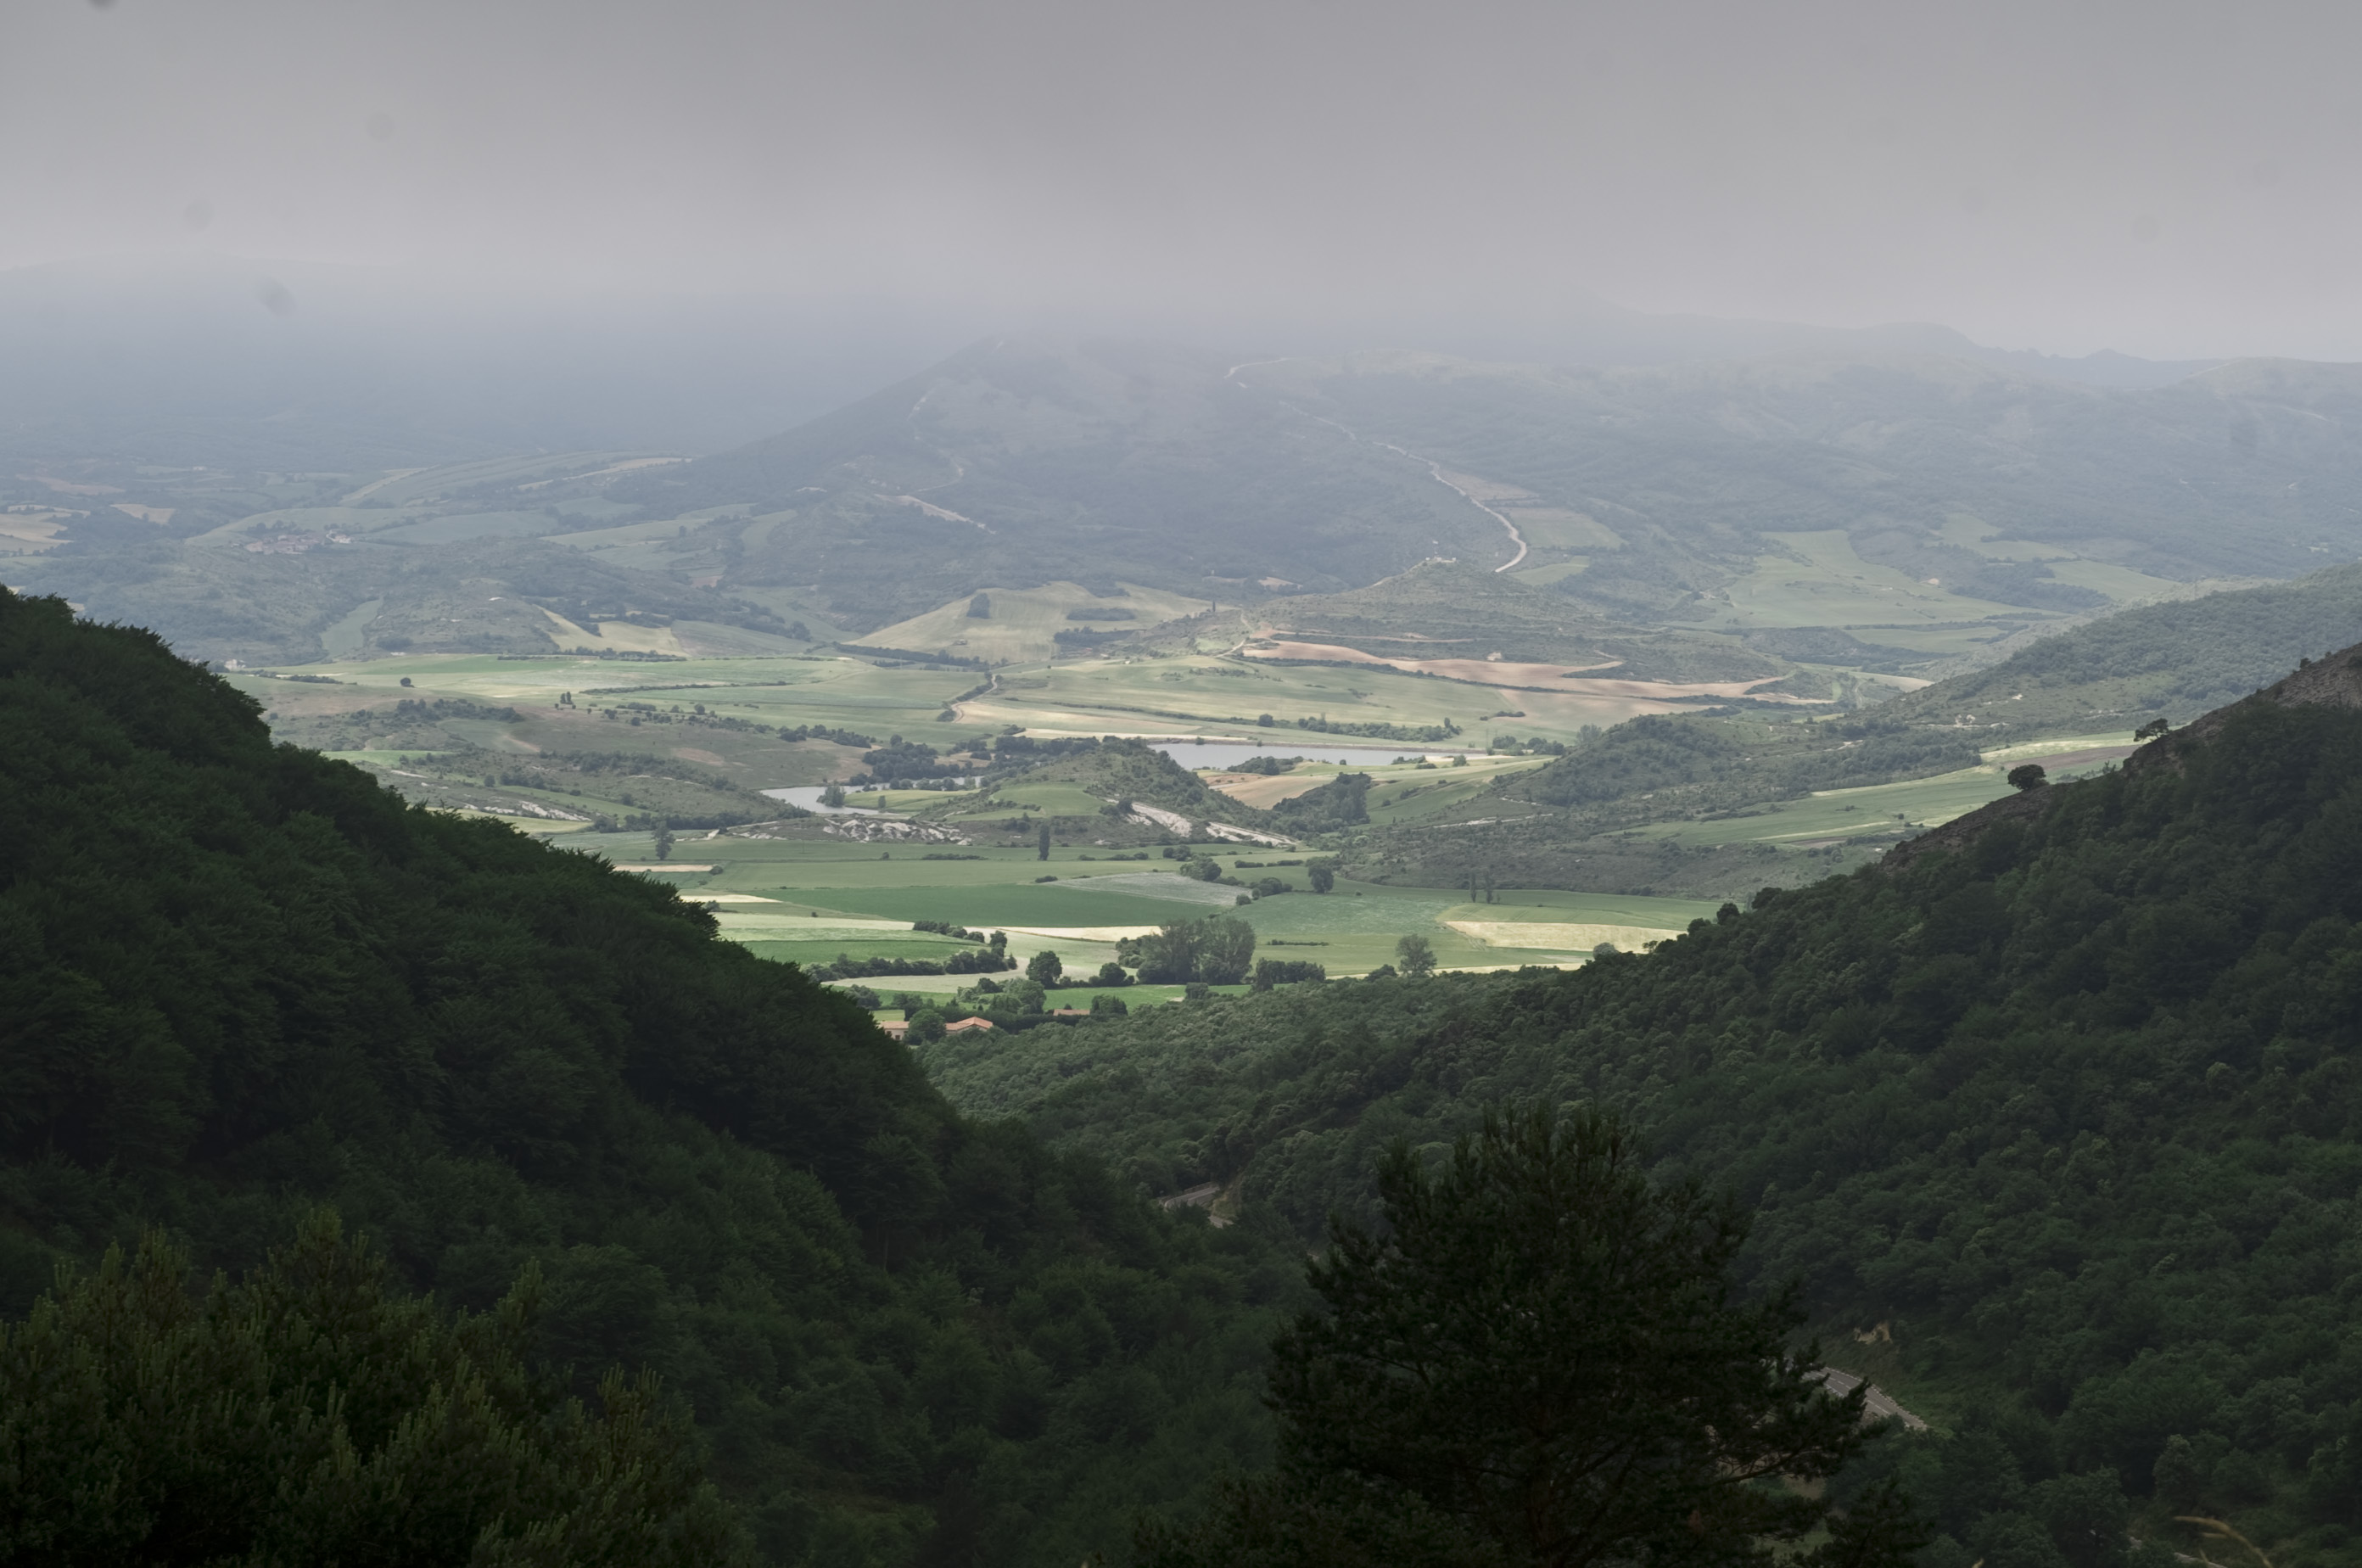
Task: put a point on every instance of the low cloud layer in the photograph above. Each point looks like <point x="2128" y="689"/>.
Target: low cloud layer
<point x="2169" y="180"/>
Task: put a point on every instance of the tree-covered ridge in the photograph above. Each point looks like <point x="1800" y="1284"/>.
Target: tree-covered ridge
<point x="1120" y="770"/>
<point x="1687" y="763"/>
<point x="236" y="980"/>
<point x="2073" y="1113"/>
<point x="309" y="1414"/>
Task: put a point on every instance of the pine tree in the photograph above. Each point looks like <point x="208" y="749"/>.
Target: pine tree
<point x="1542" y="1361"/>
<point x="308" y="1414"/>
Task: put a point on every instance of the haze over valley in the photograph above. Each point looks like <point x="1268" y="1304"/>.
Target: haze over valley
<point x="750" y="758"/>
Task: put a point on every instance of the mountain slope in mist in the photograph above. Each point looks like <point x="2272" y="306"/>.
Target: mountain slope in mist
<point x="1025" y="456"/>
<point x="1652" y="494"/>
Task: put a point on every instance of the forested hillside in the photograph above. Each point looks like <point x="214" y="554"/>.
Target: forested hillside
<point x="238" y="980"/>
<point x="2061" y="1131"/>
<point x="2172" y="661"/>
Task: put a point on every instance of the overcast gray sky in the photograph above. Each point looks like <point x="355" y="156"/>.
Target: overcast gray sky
<point x="2167" y="179"/>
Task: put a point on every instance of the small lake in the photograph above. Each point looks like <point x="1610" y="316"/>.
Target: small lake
<point x="807" y="797"/>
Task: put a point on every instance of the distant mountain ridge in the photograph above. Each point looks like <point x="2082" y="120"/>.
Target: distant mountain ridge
<point x="1899" y="493"/>
<point x="1643" y="493"/>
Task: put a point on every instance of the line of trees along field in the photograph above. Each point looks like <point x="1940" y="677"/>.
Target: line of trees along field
<point x="2068" y="1126"/>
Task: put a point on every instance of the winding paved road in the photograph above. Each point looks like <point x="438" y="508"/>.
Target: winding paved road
<point x="1879" y="1405"/>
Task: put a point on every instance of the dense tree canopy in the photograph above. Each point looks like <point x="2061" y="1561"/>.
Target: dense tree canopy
<point x="238" y="980"/>
<point x="2066" y="1126"/>
<point x="1540" y="1361"/>
<point x="308" y="1414"/>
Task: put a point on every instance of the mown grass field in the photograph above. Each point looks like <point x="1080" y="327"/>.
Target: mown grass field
<point x="827" y="899"/>
<point x="1829" y="585"/>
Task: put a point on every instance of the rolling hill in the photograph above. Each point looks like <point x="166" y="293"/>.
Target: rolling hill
<point x="1893" y="506"/>
<point x="1933" y="501"/>
<point x="2169" y="661"/>
<point x="1092" y="461"/>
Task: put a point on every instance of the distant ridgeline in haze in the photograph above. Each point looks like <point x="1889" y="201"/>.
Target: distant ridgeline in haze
<point x="2000" y="487"/>
<point x="1882" y="502"/>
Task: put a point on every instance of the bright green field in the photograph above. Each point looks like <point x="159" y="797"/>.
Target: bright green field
<point x="822" y="892"/>
<point x="818" y="888"/>
<point x="1047" y="798"/>
<point x="1832" y="586"/>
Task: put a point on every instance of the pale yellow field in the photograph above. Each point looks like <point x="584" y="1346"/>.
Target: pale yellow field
<point x="1558" y="937"/>
<point x="1025" y="621"/>
<point x="621" y="635"/>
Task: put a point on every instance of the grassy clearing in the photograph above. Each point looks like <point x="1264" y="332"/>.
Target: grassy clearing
<point x="538" y="826"/>
<point x="1832" y="586"/>
<point x="1847" y="813"/>
<point x="1411" y="794"/>
<point x="1047" y="798"/>
<point x="2059" y="745"/>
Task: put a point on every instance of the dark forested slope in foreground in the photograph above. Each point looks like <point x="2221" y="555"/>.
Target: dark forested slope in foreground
<point x="238" y="979"/>
<point x="2063" y="1121"/>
